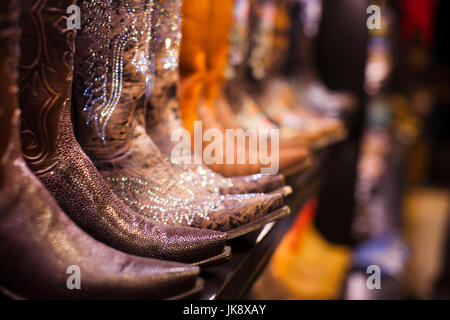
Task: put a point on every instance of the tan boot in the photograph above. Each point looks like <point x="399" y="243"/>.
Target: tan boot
<point x="163" y="113"/>
<point x="202" y="62"/>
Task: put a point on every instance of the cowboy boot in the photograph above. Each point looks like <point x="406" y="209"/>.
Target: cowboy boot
<point x="113" y="82"/>
<point x="203" y="60"/>
<point x="275" y="95"/>
<point x="280" y="104"/>
<point x="163" y="110"/>
<point x="236" y="107"/>
<point x="53" y="154"/>
<point x="239" y="108"/>
<point x="216" y="108"/>
<point x="39" y="242"/>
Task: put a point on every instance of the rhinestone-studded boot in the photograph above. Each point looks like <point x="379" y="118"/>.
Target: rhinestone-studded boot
<point x="113" y="83"/>
<point x="163" y="110"/>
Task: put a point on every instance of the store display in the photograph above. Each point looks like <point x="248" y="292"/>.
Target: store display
<point x="37" y="235"/>
<point x="205" y="149"/>
<point x="203" y="60"/>
<point x="286" y="99"/>
<point x="50" y="148"/>
<point x="124" y="154"/>
<point x="163" y="114"/>
<point x="272" y="102"/>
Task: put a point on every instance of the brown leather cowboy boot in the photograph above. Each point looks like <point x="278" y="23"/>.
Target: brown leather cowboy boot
<point x="40" y="246"/>
<point x="276" y="95"/>
<point x="113" y="81"/>
<point x="204" y="53"/>
<point x="281" y="99"/>
<point x="163" y="110"/>
<point x="266" y="102"/>
<point x="53" y="154"/>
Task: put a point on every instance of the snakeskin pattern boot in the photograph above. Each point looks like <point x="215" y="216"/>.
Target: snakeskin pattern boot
<point x="113" y="82"/>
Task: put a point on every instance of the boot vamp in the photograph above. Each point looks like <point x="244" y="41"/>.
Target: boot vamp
<point x="43" y="247"/>
<point x="180" y="200"/>
<point x="238" y="210"/>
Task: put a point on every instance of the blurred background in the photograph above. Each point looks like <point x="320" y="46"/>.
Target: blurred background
<point x="396" y="213"/>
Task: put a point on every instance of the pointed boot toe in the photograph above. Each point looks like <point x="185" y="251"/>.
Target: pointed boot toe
<point x="244" y="213"/>
<point x="170" y="280"/>
<point x="195" y="245"/>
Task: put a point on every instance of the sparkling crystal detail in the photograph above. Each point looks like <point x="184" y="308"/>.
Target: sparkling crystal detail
<point x="168" y="32"/>
<point x="104" y="82"/>
<point x="165" y="207"/>
<point x="238" y="37"/>
<point x="167" y="39"/>
<point x="191" y="194"/>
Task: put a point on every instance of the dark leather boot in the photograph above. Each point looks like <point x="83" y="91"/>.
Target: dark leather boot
<point x="163" y="114"/>
<point x="54" y="155"/>
<point x="113" y="81"/>
<point x="38" y="241"/>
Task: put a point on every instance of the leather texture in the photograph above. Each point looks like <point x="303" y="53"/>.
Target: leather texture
<point x="38" y="241"/>
<point x="69" y="175"/>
